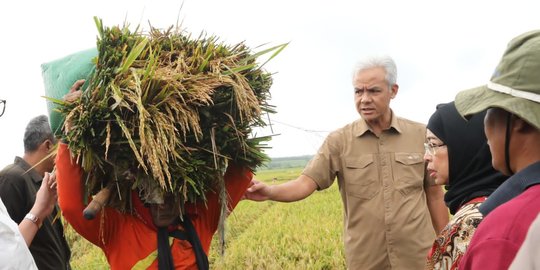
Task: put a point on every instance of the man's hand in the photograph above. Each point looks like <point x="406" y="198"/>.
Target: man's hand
<point x="74" y="92"/>
<point x="258" y="191"/>
<point x="291" y="191"/>
<point x="73" y="95"/>
<point x="46" y="197"/>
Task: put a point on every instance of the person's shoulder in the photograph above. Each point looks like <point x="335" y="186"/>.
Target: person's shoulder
<point x="528" y="200"/>
<point x="409" y="127"/>
<point x="409" y="122"/>
<point x="348" y="129"/>
<point x="12" y="171"/>
<point x="515" y="213"/>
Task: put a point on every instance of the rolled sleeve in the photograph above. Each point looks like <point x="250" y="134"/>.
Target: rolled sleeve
<point x="324" y="166"/>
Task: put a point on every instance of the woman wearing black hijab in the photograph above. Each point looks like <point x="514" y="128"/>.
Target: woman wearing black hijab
<point x="458" y="156"/>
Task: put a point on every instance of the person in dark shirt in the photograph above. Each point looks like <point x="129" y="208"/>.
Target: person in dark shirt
<point x="19" y="183"/>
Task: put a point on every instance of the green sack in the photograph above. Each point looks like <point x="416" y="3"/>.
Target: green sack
<point x="60" y="75"/>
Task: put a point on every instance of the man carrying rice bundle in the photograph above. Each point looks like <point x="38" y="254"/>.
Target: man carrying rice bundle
<point x="162" y="126"/>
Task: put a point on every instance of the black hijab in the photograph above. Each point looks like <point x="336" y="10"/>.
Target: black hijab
<point x="470" y="171"/>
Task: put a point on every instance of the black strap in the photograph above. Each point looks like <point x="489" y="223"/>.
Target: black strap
<point x="193" y="238"/>
<point x="165" y="260"/>
<point x="181" y="235"/>
<point x="507" y="143"/>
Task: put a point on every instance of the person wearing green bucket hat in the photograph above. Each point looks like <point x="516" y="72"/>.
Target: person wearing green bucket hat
<point x="512" y="126"/>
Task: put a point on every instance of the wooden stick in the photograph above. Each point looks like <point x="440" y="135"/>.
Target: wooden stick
<point x="99" y="201"/>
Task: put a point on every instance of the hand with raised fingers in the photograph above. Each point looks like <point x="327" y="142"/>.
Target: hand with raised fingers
<point x="46" y="197"/>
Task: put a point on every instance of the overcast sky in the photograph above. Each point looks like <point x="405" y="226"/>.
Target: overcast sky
<point x="440" y="49"/>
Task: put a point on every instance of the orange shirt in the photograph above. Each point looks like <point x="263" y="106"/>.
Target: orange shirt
<point x="128" y="241"/>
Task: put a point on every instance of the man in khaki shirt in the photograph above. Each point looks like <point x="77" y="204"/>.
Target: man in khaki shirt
<point x="378" y="163"/>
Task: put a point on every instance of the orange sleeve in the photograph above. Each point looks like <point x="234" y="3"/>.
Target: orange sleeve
<point x="237" y="180"/>
<point x="70" y="196"/>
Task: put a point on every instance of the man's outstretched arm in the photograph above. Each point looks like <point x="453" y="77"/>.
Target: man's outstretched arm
<point x="291" y="191"/>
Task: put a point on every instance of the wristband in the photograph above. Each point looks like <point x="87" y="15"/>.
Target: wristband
<point x="34" y="219"/>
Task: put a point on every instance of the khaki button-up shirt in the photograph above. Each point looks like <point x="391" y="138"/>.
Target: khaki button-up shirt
<point x="387" y="224"/>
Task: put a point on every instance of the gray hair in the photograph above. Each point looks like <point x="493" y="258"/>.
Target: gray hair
<point x="37" y="131"/>
<point x="385" y="62"/>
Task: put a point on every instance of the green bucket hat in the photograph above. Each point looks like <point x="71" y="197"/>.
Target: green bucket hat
<point x="515" y="84"/>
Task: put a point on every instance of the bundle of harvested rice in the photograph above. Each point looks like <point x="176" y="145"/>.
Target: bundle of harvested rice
<point x="164" y="109"/>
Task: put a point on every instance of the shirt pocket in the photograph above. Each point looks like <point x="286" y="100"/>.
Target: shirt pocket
<point x="361" y="177"/>
<point x="409" y="172"/>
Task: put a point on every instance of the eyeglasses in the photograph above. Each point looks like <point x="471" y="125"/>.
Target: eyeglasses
<point x="2" y="106"/>
<point x="431" y="149"/>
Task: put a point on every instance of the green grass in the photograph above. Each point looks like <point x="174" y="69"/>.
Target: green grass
<point x="265" y="235"/>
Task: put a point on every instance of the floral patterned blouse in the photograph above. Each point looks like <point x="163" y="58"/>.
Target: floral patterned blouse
<point x="453" y="240"/>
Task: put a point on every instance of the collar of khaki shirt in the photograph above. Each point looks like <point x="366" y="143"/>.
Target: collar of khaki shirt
<point x="362" y="127"/>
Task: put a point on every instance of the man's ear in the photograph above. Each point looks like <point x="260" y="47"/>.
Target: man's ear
<point x="394" y="90"/>
<point x="47" y="145"/>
